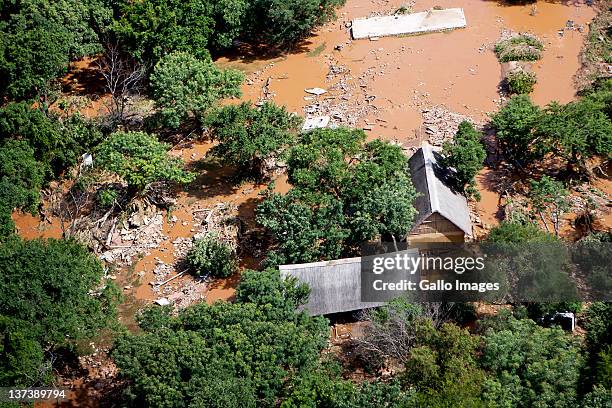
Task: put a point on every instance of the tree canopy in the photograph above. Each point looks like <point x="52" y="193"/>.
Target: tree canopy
<point x="184" y="85"/>
<point x="251" y="137"/>
<point x="40" y="37"/>
<point x="51" y="293"/>
<point x="240" y="354"/>
<point x="345" y="191"/>
<point x="140" y="159"/>
<point x="466" y="154"/>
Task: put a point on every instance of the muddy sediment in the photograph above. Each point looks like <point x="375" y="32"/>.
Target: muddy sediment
<point x="383" y="86"/>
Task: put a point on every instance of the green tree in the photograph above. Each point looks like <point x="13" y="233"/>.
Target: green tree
<point x="240" y="354"/>
<point x="466" y="154"/>
<point x="39" y="38"/>
<point x="21" y="176"/>
<point x="515" y="128"/>
<point x="549" y="200"/>
<point x="305" y="227"/>
<point x="578" y="131"/>
<point x="269" y="291"/>
<point x="22" y="361"/>
<point x="58" y="143"/>
<point x="140" y="159"/>
<point x="386" y="210"/>
<point x="252" y="138"/>
<point x="345" y="191"/>
<point x="51" y="293"/>
<point x="194" y="26"/>
<point x="211" y="256"/>
<point x="531" y="366"/>
<point x="150" y="29"/>
<point x="184" y="85"/>
<point x="517" y="233"/>
<point x="285" y="22"/>
<point x="520" y="82"/>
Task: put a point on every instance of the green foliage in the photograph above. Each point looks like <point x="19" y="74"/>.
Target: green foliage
<point x="532" y="366"/>
<point x="48" y="283"/>
<point x="520" y="82"/>
<point x="22" y="359"/>
<point x="345" y="192"/>
<point x="466" y="154"/>
<point x="140" y="159"/>
<point x="578" y="130"/>
<point x="443" y="368"/>
<point x="224" y="355"/>
<point x="252" y="137"/>
<point x="106" y="196"/>
<point x="515" y="125"/>
<point x="40" y="37"/>
<point x="57" y="142"/>
<point x="285" y="22"/>
<point x="306" y="227"/>
<point x="21" y="176"/>
<point x="598" y="324"/>
<point x="150" y="29"/>
<point x="517" y="233"/>
<point x="184" y="85"/>
<point x="267" y="290"/>
<point x="522" y="47"/>
<point x="211" y="256"/>
<point x="51" y="293"/>
<point x="600" y="397"/>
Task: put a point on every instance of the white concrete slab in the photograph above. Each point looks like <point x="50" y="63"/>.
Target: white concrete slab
<point x="315" y="123"/>
<point x="404" y="24"/>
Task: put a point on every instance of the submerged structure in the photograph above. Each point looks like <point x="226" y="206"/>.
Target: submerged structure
<point x="406" y="24"/>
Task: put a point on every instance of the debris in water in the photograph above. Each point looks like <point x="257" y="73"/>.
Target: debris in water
<point x="315" y="91"/>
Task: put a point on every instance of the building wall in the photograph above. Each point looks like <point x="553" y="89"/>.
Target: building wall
<point x="436" y="228"/>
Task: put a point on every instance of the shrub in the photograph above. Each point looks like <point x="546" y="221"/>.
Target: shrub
<point x="520" y="82"/>
<point x="523" y="47"/>
<point x="185" y="86"/>
<point x="211" y="256"/>
<point x="140" y="159"/>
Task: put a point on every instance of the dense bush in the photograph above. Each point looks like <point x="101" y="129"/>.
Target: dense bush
<point x="184" y="85"/>
<point x="140" y="159"/>
<point x="40" y="37"/>
<point x="522" y="47"/>
<point x="198" y="26"/>
<point x="253" y="138"/>
<point x="51" y="293"/>
<point x="520" y="82"/>
<point x="211" y="257"/>
<point x="531" y="365"/>
<point x="21" y="176"/>
<point x="466" y="154"/>
<point x="58" y="143"/>
<point x="516" y="129"/>
<point x="224" y="355"/>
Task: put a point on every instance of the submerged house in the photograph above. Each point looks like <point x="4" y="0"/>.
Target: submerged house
<point x="443" y="213"/>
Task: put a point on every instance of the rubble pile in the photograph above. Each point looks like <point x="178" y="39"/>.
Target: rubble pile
<point x="136" y="235"/>
<point x="440" y="125"/>
<point x="342" y="102"/>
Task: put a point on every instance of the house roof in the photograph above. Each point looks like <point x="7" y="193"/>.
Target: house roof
<point x="434" y="183"/>
<point x="335" y="286"/>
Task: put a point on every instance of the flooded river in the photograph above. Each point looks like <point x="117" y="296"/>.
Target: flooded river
<point x="389" y="81"/>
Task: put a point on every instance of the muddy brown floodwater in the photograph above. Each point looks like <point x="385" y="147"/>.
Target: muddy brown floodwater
<point x="394" y="78"/>
<point x="404" y="74"/>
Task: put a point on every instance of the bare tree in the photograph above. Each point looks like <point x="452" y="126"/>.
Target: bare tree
<point x="393" y="330"/>
<point x="123" y="76"/>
